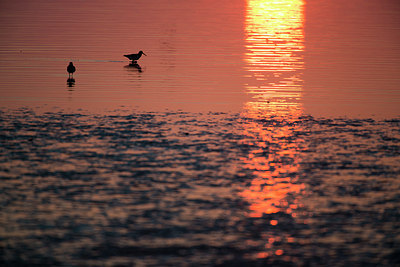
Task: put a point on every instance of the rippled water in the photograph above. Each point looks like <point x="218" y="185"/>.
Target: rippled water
<point x="188" y="188"/>
<point x="253" y="133"/>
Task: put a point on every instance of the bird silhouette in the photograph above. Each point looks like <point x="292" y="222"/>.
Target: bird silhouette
<point x="71" y="69"/>
<point x="135" y="57"/>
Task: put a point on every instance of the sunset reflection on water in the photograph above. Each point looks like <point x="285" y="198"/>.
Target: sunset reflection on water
<point x="274" y="66"/>
<point x="274" y="56"/>
<point x="212" y="152"/>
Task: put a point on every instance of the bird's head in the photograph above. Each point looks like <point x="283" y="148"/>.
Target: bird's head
<point x="70" y="63"/>
<point x="141" y="52"/>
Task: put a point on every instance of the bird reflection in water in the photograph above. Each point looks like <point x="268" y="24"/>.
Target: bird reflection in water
<point x="134" y="66"/>
<point x="71" y="82"/>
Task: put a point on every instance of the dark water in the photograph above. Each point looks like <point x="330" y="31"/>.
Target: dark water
<point x="178" y="188"/>
<point x="254" y="133"/>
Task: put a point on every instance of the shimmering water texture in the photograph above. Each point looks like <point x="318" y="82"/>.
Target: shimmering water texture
<point x="178" y="188"/>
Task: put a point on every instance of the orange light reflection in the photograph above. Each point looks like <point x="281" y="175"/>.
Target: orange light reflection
<point x="274" y="66"/>
<point x="274" y="56"/>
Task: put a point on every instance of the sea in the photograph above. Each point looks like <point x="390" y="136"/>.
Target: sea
<point x="252" y="133"/>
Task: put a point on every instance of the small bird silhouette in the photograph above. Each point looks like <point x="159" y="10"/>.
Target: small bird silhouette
<point x="71" y="69"/>
<point x="135" y="57"/>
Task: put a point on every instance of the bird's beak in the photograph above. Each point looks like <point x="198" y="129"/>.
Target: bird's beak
<point x="144" y="54"/>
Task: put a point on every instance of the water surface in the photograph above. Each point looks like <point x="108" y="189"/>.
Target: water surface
<point x="192" y="63"/>
<point x="254" y="133"/>
<point x="335" y="58"/>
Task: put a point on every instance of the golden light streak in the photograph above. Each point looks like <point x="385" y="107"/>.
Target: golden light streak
<point x="274" y="65"/>
<point x="274" y="52"/>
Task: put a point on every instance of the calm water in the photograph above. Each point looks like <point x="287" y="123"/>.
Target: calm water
<point x="253" y="133"/>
